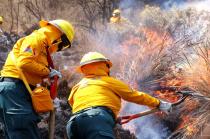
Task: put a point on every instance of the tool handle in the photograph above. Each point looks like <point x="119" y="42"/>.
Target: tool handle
<point x="126" y="119"/>
<point x="53" y="87"/>
<point x="51" y="124"/>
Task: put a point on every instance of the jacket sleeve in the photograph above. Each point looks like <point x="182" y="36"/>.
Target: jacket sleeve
<point x="30" y="48"/>
<point x="128" y="94"/>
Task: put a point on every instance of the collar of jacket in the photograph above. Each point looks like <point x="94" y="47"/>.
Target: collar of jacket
<point x="95" y="69"/>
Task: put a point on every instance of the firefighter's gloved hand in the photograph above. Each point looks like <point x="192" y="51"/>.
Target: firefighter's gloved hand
<point x="54" y="72"/>
<point x="165" y="106"/>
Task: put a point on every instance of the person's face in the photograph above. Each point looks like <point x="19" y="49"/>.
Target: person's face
<point x="116" y="14"/>
<point x="60" y="44"/>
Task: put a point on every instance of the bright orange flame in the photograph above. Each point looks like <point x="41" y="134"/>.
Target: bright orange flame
<point x="167" y="95"/>
<point x="138" y="47"/>
<point x="154" y="38"/>
<point x="147" y="41"/>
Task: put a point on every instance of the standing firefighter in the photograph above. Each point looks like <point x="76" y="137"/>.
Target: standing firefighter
<point x="118" y="19"/>
<point x="31" y="53"/>
<point x="1" y="22"/>
<point x="119" y="27"/>
<point x="96" y="100"/>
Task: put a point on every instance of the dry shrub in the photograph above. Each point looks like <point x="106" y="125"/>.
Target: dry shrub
<point x="157" y="57"/>
<point x="169" y="48"/>
<point x="196" y="77"/>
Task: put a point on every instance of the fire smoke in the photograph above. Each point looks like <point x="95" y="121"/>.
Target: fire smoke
<point x="164" y="49"/>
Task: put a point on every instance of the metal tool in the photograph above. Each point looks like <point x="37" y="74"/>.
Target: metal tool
<point x="194" y="94"/>
<point x="128" y="118"/>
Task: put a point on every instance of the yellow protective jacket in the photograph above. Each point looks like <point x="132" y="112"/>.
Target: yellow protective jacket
<point x="106" y="91"/>
<point x="120" y="25"/>
<point x="31" y="55"/>
<point x="118" y="20"/>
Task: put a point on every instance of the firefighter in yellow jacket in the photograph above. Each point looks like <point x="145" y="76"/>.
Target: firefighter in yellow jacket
<point x="1" y="22"/>
<point x="119" y="23"/>
<point x="116" y="17"/>
<point x="16" y="111"/>
<point x="119" y="27"/>
<point x="96" y="100"/>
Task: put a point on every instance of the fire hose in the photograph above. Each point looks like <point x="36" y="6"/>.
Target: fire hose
<point x="125" y="119"/>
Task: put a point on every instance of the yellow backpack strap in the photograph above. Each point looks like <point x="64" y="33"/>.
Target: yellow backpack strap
<point x="21" y="73"/>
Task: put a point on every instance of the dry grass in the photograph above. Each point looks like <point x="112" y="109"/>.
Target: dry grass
<point x="171" y="51"/>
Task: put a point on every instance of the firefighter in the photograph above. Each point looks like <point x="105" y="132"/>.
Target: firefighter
<point x="16" y="109"/>
<point x="119" y="27"/>
<point x="96" y="100"/>
<point x="118" y="19"/>
<point x="1" y="22"/>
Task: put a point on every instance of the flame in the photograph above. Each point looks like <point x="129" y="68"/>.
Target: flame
<point x="155" y="38"/>
<point x="167" y="95"/>
<point x="143" y="48"/>
<point x="167" y="89"/>
<point x="145" y="41"/>
<point x="191" y="130"/>
<point x="188" y="124"/>
<point x="185" y="121"/>
<point x="137" y="49"/>
<point x="140" y="48"/>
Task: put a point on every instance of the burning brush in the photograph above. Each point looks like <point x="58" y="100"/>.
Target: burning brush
<point x="170" y="52"/>
<point x="195" y="116"/>
<point x="185" y="94"/>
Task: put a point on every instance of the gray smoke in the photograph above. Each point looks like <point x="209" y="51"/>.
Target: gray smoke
<point x="148" y="127"/>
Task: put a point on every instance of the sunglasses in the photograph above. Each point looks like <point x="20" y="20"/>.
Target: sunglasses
<point x="62" y="43"/>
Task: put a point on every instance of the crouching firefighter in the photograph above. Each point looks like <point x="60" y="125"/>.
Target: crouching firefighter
<point x="30" y="54"/>
<point x="96" y="100"/>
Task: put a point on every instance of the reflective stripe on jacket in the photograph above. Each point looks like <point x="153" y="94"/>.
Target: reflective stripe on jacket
<point x="106" y="91"/>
